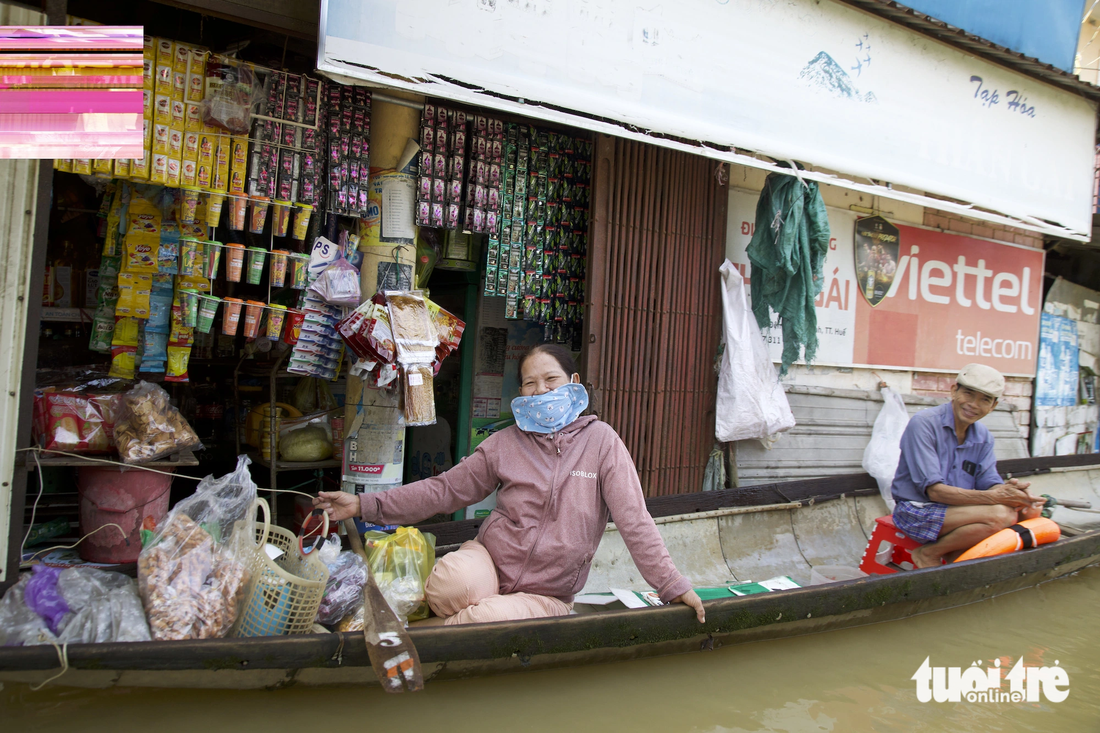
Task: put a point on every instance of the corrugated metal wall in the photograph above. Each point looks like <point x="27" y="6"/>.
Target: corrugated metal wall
<point x="653" y="306"/>
<point x="18" y="195"/>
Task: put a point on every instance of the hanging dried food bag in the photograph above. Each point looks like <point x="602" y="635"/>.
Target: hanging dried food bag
<point x="367" y="332"/>
<point x="419" y="395"/>
<point x="338" y="284"/>
<point x="413" y="331"/>
<point x="232" y="93"/>
<point x="150" y="427"/>
<point x="194" y="569"/>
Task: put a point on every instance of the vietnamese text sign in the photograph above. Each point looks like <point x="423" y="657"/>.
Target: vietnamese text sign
<point x="818" y="82"/>
<point x="953" y="300"/>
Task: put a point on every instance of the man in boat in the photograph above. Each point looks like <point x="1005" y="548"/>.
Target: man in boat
<point x="948" y="492"/>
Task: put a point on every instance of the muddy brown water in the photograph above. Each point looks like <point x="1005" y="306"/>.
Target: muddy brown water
<point x="849" y="680"/>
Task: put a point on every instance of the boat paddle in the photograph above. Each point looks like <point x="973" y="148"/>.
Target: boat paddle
<point x="391" y="651"/>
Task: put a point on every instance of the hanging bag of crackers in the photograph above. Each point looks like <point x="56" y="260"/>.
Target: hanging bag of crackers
<point x="416" y="337"/>
<point x="150" y="428"/>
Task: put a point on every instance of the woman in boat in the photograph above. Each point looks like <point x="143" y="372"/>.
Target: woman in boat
<point x="561" y="476"/>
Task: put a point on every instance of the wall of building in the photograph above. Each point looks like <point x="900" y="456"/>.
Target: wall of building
<point x="930" y="384"/>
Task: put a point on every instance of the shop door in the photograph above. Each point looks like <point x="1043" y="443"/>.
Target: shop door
<point x="653" y="306"/>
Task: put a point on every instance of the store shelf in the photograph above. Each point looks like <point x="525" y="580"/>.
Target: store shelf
<point x="293" y="465"/>
<point x="48" y="458"/>
<point x="67" y="315"/>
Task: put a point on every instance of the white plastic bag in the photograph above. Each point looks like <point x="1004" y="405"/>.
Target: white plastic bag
<point x="880" y="457"/>
<point x="751" y="401"/>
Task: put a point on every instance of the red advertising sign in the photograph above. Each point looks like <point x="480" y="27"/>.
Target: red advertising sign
<point x="941" y="300"/>
<point x="954" y="300"/>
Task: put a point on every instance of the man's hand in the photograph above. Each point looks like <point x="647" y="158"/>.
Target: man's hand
<point x="691" y="598"/>
<point x="339" y="505"/>
<point x="1014" y="493"/>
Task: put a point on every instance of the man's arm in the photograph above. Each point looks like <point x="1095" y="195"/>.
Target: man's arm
<point x="1013" y="494"/>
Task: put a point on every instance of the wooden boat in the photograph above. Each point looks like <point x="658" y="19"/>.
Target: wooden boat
<point x="716" y="538"/>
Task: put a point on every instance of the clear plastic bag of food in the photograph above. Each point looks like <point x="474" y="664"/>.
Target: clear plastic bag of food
<point x="232" y="94"/>
<point x="419" y="385"/>
<point x="347" y="574"/>
<point x="338" y="284"/>
<point x="77" y="412"/>
<point x="150" y="427"/>
<point x="307" y="438"/>
<point x="401" y="563"/>
<point x="194" y="569"/>
<point x="413" y="331"/>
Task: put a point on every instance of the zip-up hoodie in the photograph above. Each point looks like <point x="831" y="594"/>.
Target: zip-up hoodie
<point x="556" y="494"/>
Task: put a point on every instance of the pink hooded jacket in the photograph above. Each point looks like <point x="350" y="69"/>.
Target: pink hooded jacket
<point x="556" y="493"/>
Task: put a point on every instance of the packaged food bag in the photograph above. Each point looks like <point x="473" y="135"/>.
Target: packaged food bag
<point x="401" y="563"/>
<point x="194" y="569"/>
<point x="150" y="427"/>
<point x="308" y="438"/>
<point x="76" y="420"/>
<point x="347" y="574"/>
<point x="338" y="284"/>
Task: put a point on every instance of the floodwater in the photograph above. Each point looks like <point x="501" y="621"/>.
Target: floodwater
<point x="849" y="680"/>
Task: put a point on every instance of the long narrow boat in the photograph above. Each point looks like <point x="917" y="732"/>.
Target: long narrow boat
<point x="716" y="538"/>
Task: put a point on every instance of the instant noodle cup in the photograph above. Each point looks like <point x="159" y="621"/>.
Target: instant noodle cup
<point x="234" y="262"/>
<point x="293" y="328"/>
<point x="278" y="267"/>
<point x="214" y="202"/>
<point x="212" y="257"/>
<point x="257" y="256"/>
<point x="189" y="305"/>
<point x="300" y="280"/>
<point x="301" y="220"/>
<point x="231" y="315"/>
<point x="257" y="215"/>
<point x="252" y="312"/>
<point x="189" y="203"/>
<point x="190" y="257"/>
<point x="276" y="314"/>
<point x="208" y="308"/>
<point x="282" y="218"/>
<point x="238" y="213"/>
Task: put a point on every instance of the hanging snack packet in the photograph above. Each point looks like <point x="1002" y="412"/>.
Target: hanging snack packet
<point x="123" y="362"/>
<point x="414" y="333"/>
<point x="178" y="356"/>
<point x="103" y="330"/>
<point x="419" y="395"/>
<point x="168" y="251"/>
<point x="338" y="284"/>
<point x="133" y="295"/>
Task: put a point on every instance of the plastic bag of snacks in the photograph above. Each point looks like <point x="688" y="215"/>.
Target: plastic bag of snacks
<point x="150" y="427"/>
<point x="367" y="332"/>
<point x="338" y="284"/>
<point x="347" y="574"/>
<point x="193" y="570"/>
<point x="401" y="563"/>
<point x="77" y="414"/>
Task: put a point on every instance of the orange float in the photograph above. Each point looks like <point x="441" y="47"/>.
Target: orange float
<point x="1028" y="533"/>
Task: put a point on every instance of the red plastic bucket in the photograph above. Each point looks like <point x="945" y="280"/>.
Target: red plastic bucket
<point x="124" y="496"/>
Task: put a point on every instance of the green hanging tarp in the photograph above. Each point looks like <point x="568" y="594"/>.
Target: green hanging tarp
<point x="787" y="253"/>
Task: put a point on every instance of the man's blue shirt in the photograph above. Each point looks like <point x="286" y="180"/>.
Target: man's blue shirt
<point x="931" y="454"/>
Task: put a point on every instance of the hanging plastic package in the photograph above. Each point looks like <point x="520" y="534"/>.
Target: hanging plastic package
<point x="751" y="401"/>
<point x="338" y="284"/>
<point x="880" y="457"/>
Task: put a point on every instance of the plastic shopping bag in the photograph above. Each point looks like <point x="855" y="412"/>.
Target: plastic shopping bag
<point x="880" y="457"/>
<point x="193" y="571"/>
<point x="401" y="563"/>
<point x="751" y="401"/>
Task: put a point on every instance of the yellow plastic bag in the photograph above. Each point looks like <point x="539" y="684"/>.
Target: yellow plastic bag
<point x="401" y="563"/>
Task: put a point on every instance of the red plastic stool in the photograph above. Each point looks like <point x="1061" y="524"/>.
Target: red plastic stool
<point x="887" y="538"/>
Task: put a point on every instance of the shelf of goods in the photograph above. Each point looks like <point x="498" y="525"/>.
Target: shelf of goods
<point x="46" y="458"/>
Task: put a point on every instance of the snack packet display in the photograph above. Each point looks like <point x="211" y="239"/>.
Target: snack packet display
<point x="194" y="569"/>
<point x="75" y="420"/>
<point x="150" y="427"/>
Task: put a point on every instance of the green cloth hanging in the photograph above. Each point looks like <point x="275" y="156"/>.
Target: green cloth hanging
<point x="787" y="253"/>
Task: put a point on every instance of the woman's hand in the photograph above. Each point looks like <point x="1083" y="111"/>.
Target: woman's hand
<point x="339" y="505"/>
<point x="691" y="598"/>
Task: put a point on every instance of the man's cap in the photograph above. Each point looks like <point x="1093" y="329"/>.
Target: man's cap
<point x="982" y="378"/>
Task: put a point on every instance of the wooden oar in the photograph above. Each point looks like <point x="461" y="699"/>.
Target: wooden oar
<point x="391" y="651"/>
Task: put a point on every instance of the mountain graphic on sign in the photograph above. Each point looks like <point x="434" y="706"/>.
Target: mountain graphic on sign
<point x="825" y="74"/>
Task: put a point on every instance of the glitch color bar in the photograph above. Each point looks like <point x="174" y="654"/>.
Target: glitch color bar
<point x="71" y="92"/>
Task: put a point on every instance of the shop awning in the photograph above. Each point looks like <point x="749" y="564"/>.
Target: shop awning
<point x="863" y="102"/>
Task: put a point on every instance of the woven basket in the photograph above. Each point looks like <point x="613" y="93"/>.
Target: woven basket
<point x="285" y="593"/>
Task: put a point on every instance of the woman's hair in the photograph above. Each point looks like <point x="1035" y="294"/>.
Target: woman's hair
<point x="560" y="354"/>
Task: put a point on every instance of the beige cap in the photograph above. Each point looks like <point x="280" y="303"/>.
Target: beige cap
<point x="982" y="378"/>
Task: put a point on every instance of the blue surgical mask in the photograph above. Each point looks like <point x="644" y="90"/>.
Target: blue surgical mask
<point x="550" y="412"/>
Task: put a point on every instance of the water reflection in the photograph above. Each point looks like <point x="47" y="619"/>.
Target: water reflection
<point x="851" y="680"/>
